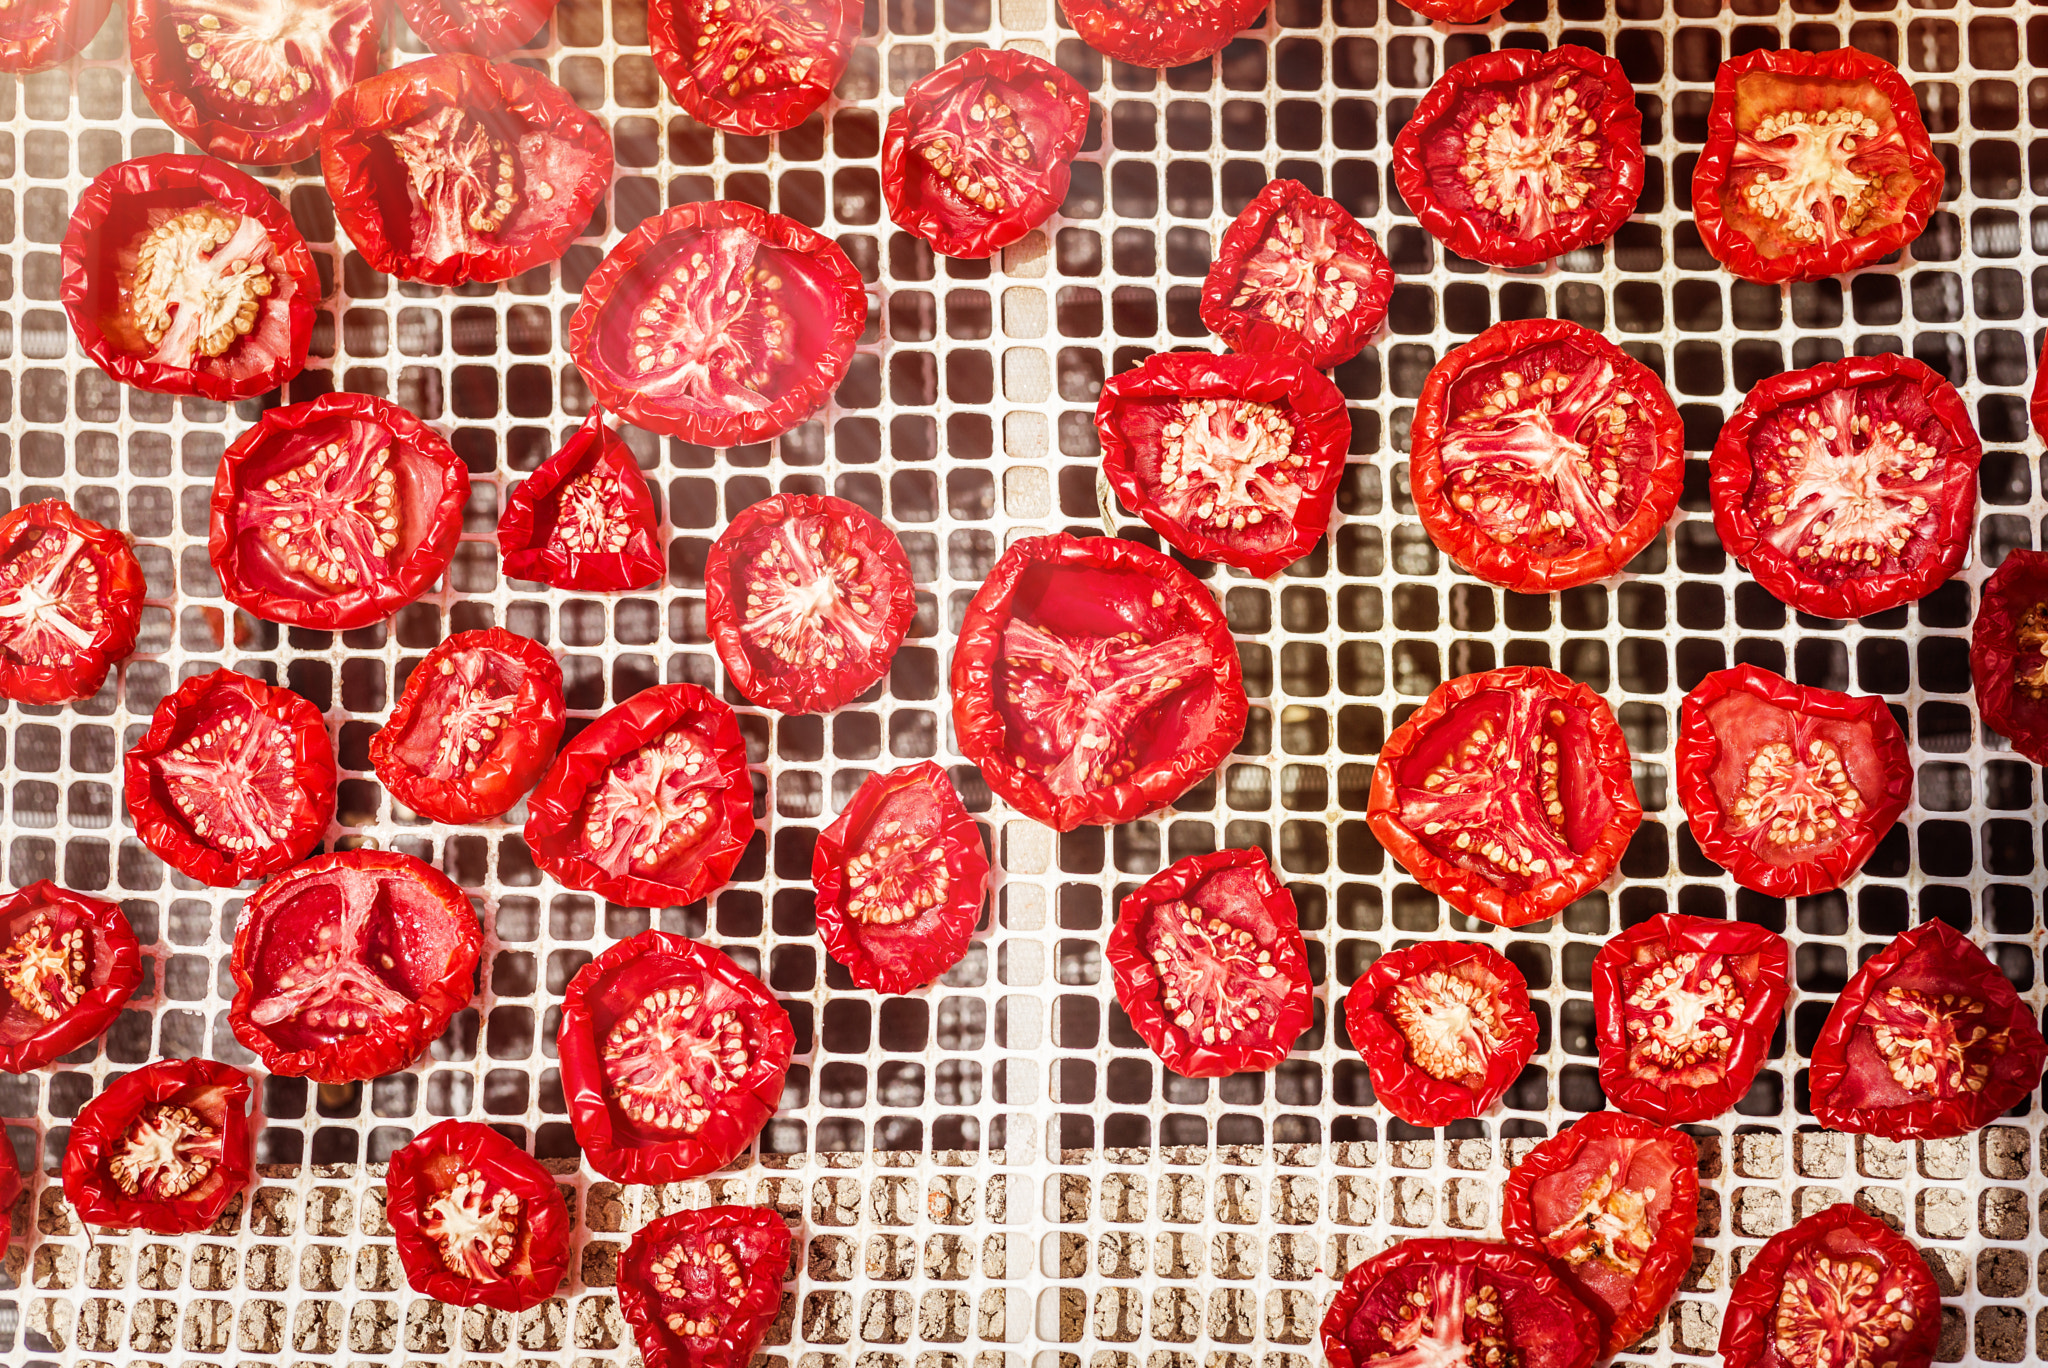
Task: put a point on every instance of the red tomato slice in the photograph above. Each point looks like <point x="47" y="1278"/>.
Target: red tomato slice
<point x="1514" y="156"/>
<point x="1477" y="1302"/>
<point x="673" y="1058"/>
<point x="477" y="1222"/>
<point x="2037" y="408"/>
<point x="1850" y="487"/>
<point x="1841" y="1287"/>
<point x="349" y="965"/>
<point x="1456" y="11"/>
<point x="476" y="725"/>
<point x="70" y="603"/>
<point x="39" y="36"/>
<point x="488" y="28"/>
<point x="68" y="963"/>
<point x="978" y="154"/>
<point x="808" y="598"/>
<point x="1927" y="1041"/>
<point x="718" y="323"/>
<point x="1788" y="788"/>
<point x="1094" y="680"/>
<point x="1684" y="1009"/>
<point x="2009" y="652"/>
<point x="163" y="1149"/>
<point x="752" y="66"/>
<point x="700" y="1288"/>
<point x="336" y="513"/>
<point x="1210" y="965"/>
<point x="1161" y="33"/>
<point x="10" y="1180"/>
<point x="1543" y="457"/>
<point x="1229" y="458"/>
<point x="1296" y="273"/>
<point x="584" y="521"/>
<point x="1816" y="163"/>
<point x="1445" y="1029"/>
<point x="900" y="877"/>
<point x="1613" y="1202"/>
<point x="1508" y="794"/>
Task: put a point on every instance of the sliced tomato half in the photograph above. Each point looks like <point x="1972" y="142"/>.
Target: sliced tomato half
<point x="68" y="964"/>
<point x="1456" y="11"/>
<point x="584" y="521"/>
<point x="1841" y="1287"/>
<point x="752" y="66"/>
<point x="476" y="1220"/>
<point x="1475" y="1302"/>
<point x="163" y="1149"/>
<point x="700" y="1288"/>
<point x="1161" y="33"/>
<point x="2009" y="652"/>
<point x="488" y="28"/>
<point x="1445" y="1029"/>
<point x="39" y="36"/>
<point x="70" y="603"/>
<point x="1296" y="273"/>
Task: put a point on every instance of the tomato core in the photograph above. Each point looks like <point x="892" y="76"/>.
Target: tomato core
<point x="166" y="1151"/>
<point x="668" y="1062"/>
<point x="1830" y="1313"/>
<point x="1683" y="1014"/>
<point x="474" y="1225"/>
<point x="51" y="601"/>
<point x="1452" y="1024"/>
<point x="194" y="283"/>
<point x="46" y="970"/>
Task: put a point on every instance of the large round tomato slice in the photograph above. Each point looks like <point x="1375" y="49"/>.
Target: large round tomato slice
<point x="1296" y="273"/>
<point x="752" y="66"/>
<point x="1442" y="1302"/>
<point x="1543" y="456"/>
<point x="700" y="1288"/>
<point x="35" y="37"/>
<point x="68" y="963"/>
<point x="1514" y="156"/>
<point x="70" y="603"/>
<point x="1850" y="487"/>
<point x="488" y="28"/>
<point x="1928" y="1040"/>
<point x="1094" y="680"/>
<point x="163" y="1149"/>
<point x="1815" y="163"/>
<point x="477" y="1222"/>
<point x="1840" y="1288"/>
<point x="1161" y="33"/>
<point x="2009" y="652"/>
<point x="1445" y="1029"/>
<point x="584" y="520"/>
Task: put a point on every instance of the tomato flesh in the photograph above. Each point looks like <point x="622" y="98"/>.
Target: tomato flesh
<point x="488" y="28"/>
<point x="163" y="1149"/>
<point x="752" y="66"/>
<point x="700" y="1288"/>
<point x="477" y="1221"/>
<point x="67" y="965"/>
<point x="1445" y="1028"/>
<point x="2009" y="652"/>
<point x="1841" y="1287"/>
<point x="477" y="724"/>
<point x="70" y="603"/>
<point x="1431" y="1303"/>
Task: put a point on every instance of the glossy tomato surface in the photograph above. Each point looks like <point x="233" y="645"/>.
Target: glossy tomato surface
<point x="700" y="1288"/>
<point x="2009" y="652"/>
<point x="1928" y="1040"/>
<point x="751" y="66"/>
<point x="163" y="1149"/>
<point x="807" y="597"/>
<point x="718" y="323"/>
<point x="978" y="154"/>
<point x="672" y="1056"/>
<point x="1516" y="156"/>
<point x="1456" y="11"/>
<point x="488" y="28"/>
<point x="900" y="875"/>
<point x="184" y="276"/>
<point x="68" y="963"/>
<point x="1458" y="1301"/>
<point x="1160" y="33"/>
<point x="35" y="37"/>
<point x="2037" y="408"/>
<point x="474" y="728"/>
<point x="1816" y="163"/>
<point x="1229" y="458"/>
<point x="584" y="521"/>
<point x="476" y="1220"/>
<point x="335" y="513"/>
<point x="1787" y="787"/>
<point x="1296" y="273"/>
<point x="1094" y="680"/>
<point x="70" y="603"/>
<point x="1543" y="457"/>
<point x="348" y="965"/>
<point x="1849" y="487"/>
<point x="1445" y="1028"/>
<point x="1210" y="965"/>
<point x="1841" y="1287"/>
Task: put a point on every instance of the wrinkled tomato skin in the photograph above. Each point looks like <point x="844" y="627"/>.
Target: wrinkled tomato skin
<point x="1899" y="389"/>
<point x="2037" y="407"/>
<point x="1094" y="589"/>
<point x="216" y="1094"/>
<point x="608" y="990"/>
<point x="756" y="95"/>
<point x="1153" y="33"/>
<point x="757" y="1240"/>
<point x="1851" y="1074"/>
<point x="1403" y="1084"/>
<point x="488" y="28"/>
<point x="1238" y="888"/>
<point x="788" y="525"/>
<point x="499" y="772"/>
<point x="1288" y="206"/>
<point x="419" y="1175"/>
<point x="1844" y="1234"/>
<point x="112" y="593"/>
<point x="544" y="531"/>
<point x="917" y="804"/>
<point x="38" y="37"/>
<point x="1542" y="559"/>
<point x="1457" y="11"/>
<point x="2000" y="652"/>
<point x="111" y="973"/>
<point x="1136" y="418"/>
<point x="1432" y="154"/>
<point x="10" y="1183"/>
<point x="1545" y="1323"/>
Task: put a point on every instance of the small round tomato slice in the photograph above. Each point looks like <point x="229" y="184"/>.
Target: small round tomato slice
<point x="651" y="805"/>
<point x="1229" y="458"/>
<point x="477" y="723"/>
<point x="35" y="37"/>
<point x="234" y="779"/>
<point x="1161" y="33"/>
<point x="1477" y="1302"/>
<point x="1543" y="457"/>
<point x="2009" y="652"/>
<point x="163" y="1149"/>
<point x="1210" y="965"/>
<point x="347" y="966"/>
<point x="752" y="66"/>
<point x="718" y="323"/>
<point x="336" y="513"/>
<point x="1850" y="487"/>
<point x="900" y="877"/>
<point x="68" y="963"/>
<point x="1929" y="1040"/>
<point x="1508" y="794"/>
<point x="1839" y="1288"/>
<point x="476" y="1220"/>
<point x="980" y="151"/>
<point x="70" y="603"/>
<point x="584" y="521"/>
<point x="488" y="28"/>
<point x="1094" y="680"/>
<point x="1816" y="163"/>
<point x="1514" y="156"/>
<point x="673" y="1058"/>
<point x="700" y="1288"/>
<point x="1445" y="1029"/>
<point x="808" y="598"/>
<point x="1296" y="273"/>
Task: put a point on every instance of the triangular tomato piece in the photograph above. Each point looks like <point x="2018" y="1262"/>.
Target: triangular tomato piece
<point x="584" y="520"/>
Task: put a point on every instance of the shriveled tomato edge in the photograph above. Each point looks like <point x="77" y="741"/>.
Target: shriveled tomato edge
<point x="99" y="1004"/>
<point x="745" y="1326"/>
<point x="1457" y="11"/>
<point x="730" y="429"/>
<point x="750" y="115"/>
<point x="1470" y="892"/>
<point x="1496" y="1257"/>
<point x="958" y="836"/>
<point x="1173" y="39"/>
<point x="433" y="25"/>
<point x="2037" y="406"/>
<point x="802" y="691"/>
<point x="740" y="1116"/>
<point x="1244" y="331"/>
<point x="396" y="1040"/>
<point x="1748" y="1328"/>
<point x="1322" y="434"/>
<point x="1928" y="1118"/>
<point x="552" y="809"/>
<point x="10" y="1182"/>
<point x="541" y="1206"/>
<point x="538" y="713"/>
<point x="1603" y="213"/>
<point x="527" y="556"/>
<point x="104" y="1121"/>
<point x="1730" y="472"/>
<point x="995" y="230"/>
<point x="55" y="42"/>
<point x="121" y="593"/>
<point x="978" y="725"/>
<point x="1737" y="252"/>
<point x="1412" y="1093"/>
<point x="1994" y="656"/>
<point x="1515" y="566"/>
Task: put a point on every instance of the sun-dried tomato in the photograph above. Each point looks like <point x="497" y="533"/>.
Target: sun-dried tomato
<point x="475" y="727"/>
<point x="1841" y="1288"/>
<point x="1445" y="1029"/>
<point x="1477" y="1302"/>
<point x="1161" y="33"/>
<point x="68" y="963"/>
<point x="751" y="66"/>
<point x="488" y="28"/>
<point x="476" y="1220"/>
<point x="35" y="37"/>
<point x="700" y="1288"/>
<point x="1296" y="273"/>
<point x="2009" y="652"/>
<point x="70" y="603"/>
<point x="584" y="521"/>
<point x="1456" y="11"/>
<point x="163" y="1149"/>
